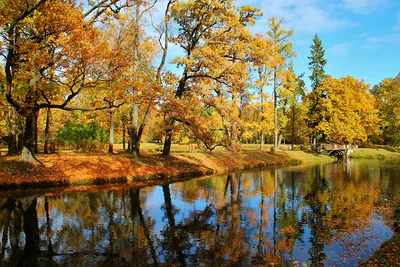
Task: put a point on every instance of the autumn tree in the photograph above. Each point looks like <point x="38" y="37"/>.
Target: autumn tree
<point x="265" y="58"/>
<point x="140" y="9"/>
<point x="388" y="96"/>
<point x="49" y="55"/>
<point x="348" y="115"/>
<point x="200" y="24"/>
<point x="281" y="37"/>
<point x="290" y="101"/>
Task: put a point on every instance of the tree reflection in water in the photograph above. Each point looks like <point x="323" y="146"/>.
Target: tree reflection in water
<point x="277" y="216"/>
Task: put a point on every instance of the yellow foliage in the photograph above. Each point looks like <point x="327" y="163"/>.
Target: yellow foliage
<point x="349" y="113"/>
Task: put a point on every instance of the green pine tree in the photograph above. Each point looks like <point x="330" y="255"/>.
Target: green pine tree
<point x="317" y="63"/>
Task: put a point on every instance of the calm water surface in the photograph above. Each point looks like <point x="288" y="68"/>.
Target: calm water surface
<point x="314" y="215"/>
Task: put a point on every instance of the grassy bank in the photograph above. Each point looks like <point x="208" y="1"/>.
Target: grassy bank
<point x="69" y="168"/>
<point x="307" y="158"/>
<point x="82" y="168"/>
<point x="374" y="153"/>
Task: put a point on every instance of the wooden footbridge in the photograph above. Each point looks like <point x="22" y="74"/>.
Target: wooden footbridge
<point x="339" y="151"/>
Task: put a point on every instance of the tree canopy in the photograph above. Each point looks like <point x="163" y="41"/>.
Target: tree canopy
<point x="107" y="60"/>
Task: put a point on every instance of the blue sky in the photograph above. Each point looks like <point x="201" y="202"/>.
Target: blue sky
<point x="361" y="37"/>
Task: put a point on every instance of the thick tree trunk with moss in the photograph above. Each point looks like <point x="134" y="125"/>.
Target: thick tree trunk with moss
<point x="30" y="138"/>
<point x="30" y="130"/>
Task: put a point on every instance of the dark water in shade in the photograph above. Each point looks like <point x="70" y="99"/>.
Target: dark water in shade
<point x="297" y="216"/>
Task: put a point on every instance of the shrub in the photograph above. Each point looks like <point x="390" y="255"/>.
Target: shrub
<point x="86" y="137"/>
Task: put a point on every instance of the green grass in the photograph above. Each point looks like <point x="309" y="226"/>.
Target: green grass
<point x="180" y="148"/>
<point x="308" y="158"/>
<point x="373" y="153"/>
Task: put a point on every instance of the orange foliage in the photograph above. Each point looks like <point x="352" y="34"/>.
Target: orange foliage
<point x="84" y="168"/>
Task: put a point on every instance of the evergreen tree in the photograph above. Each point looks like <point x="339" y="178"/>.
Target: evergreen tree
<point x="317" y="63"/>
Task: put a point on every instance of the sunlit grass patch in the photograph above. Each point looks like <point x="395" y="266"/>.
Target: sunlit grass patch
<point x="373" y="153"/>
<point x="305" y="157"/>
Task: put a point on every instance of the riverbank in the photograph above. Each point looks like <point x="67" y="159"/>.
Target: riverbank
<point x="65" y="169"/>
<point x="374" y="153"/>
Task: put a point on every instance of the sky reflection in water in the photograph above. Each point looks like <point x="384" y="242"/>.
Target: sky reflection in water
<point x="319" y="215"/>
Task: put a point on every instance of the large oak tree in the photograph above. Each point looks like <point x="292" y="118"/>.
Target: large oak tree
<point x="49" y="55"/>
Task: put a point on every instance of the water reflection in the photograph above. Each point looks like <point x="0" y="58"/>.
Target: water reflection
<point x="320" y="215"/>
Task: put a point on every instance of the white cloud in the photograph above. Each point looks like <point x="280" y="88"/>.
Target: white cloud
<point x="365" y="6"/>
<point x="382" y="41"/>
<point x="340" y="49"/>
<point x="304" y="16"/>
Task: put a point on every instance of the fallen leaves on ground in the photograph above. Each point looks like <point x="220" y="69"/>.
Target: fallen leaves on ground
<point x="81" y="168"/>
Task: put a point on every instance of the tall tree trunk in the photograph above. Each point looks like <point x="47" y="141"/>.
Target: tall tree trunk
<point x="167" y="143"/>
<point x="143" y="124"/>
<point x="135" y="126"/>
<point x="20" y="141"/>
<point x="280" y="140"/>
<point x="11" y="138"/>
<point x="47" y="132"/>
<point x="262" y="137"/>
<point x="35" y="148"/>
<point x="111" y="135"/>
<point x="293" y="125"/>
<point x="30" y="137"/>
<point x="12" y="144"/>
<point x="262" y="110"/>
<point x="276" y="130"/>
<point x="135" y="109"/>
<point x="123" y="135"/>
<point x="30" y="131"/>
<point x="130" y="139"/>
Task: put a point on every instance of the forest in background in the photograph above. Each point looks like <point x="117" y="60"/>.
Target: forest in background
<point x="83" y="75"/>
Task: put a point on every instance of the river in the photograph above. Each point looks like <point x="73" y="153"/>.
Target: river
<point x="322" y="215"/>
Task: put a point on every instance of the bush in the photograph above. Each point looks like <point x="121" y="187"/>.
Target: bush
<point x="272" y="149"/>
<point x="86" y="137"/>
